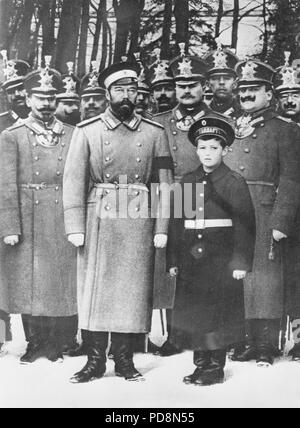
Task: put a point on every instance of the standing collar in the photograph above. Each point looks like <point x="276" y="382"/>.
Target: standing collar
<point x="214" y="176"/>
<point x="199" y="110"/>
<point x="112" y="122"/>
<point x="40" y="127"/>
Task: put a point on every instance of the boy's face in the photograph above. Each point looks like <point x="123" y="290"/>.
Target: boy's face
<point x="211" y="153"/>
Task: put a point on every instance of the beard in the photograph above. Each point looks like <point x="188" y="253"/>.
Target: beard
<point x="20" y="108"/>
<point x="123" y="109"/>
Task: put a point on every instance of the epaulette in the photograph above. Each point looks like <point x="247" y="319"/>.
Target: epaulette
<point x="15" y="126"/>
<point x="151" y="122"/>
<point x="89" y="121"/>
<point x="162" y="113"/>
<point x="6" y="113"/>
<point x="285" y="119"/>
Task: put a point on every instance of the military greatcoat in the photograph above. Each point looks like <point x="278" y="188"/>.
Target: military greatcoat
<point x="209" y="307"/>
<point x="40" y="271"/>
<point x="177" y="123"/>
<point x="266" y="155"/>
<point x="115" y="274"/>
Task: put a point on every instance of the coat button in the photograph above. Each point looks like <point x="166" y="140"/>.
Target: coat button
<point x="200" y="209"/>
<point x="105" y="129"/>
<point x="58" y="173"/>
<point x="57" y="188"/>
<point x="175" y="164"/>
<point x="174" y="133"/>
<point x="262" y="125"/>
<point x="57" y="201"/>
<point x="200" y="236"/>
<point x="254" y="136"/>
<point x="138" y="160"/>
<point x="31" y="133"/>
<point x="137" y="209"/>
<point x="107" y="143"/>
<point x="37" y="173"/>
<point x="139" y="144"/>
<point x="36" y="158"/>
<point x="172" y="120"/>
<point x="136" y="193"/>
<point x="175" y="148"/>
<point x="247" y="150"/>
<point x="139" y="130"/>
<point x="107" y="159"/>
<point x="37" y="202"/>
<point x="242" y="168"/>
<point x="204" y="182"/>
<point x="107" y="175"/>
<point x="201" y="195"/>
<point x="63" y="144"/>
<point x="60" y="158"/>
<point x="200" y="250"/>
<point x="230" y="149"/>
<point x="34" y="144"/>
<point x="107" y="208"/>
<point x="137" y="176"/>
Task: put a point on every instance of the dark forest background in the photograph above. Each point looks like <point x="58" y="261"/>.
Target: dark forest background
<point x="107" y="30"/>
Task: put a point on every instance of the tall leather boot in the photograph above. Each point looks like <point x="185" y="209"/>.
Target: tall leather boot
<point x="52" y="338"/>
<point x="214" y="373"/>
<point x="25" y="322"/>
<point x="81" y="349"/>
<point x="168" y="349"/>
<point x="267" y="342"/>
<point x="201" y="361"/>
<point x="249" y="352"/>
<point x="96" y="365"/>
<point x="36" y="345"/>
<point x="122" y="350"/>
<point x="68" y="329"/>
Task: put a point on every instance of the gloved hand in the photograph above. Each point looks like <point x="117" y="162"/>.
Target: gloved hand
<point x="239" y="274"/>
<point x="77" y="239"/>
<point x="173" y="271"/>
<point x="160" y="240"/>
<point x="278" y="236"/>
<point x="11" y="240"/>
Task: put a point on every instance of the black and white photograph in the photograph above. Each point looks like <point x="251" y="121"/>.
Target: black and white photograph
<point x="149" y="206"/>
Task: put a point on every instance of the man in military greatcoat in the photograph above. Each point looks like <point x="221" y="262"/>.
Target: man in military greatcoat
<point x="39" y="265"/>
<point x="190" y="75"/>
<point x="265" y="154"/>
<point x="222" y="81"/>
<point x="92" y="97"/>
<point x="68" y="100"/>
<point x="288" y="93"/>
<point x="14" y="92"/>
<point x="111" y="164"/>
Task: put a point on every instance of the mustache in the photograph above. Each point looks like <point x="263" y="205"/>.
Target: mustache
<point x="289" y="105"/>
<point x="188" y="97"/>
<point x="249" y="98"/>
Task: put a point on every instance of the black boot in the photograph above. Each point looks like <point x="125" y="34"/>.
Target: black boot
<point x="53" y="342"/>
<point x="201" y="361"/>
<point x="36" y="346"/>
<point x="81" y="349"/>
<point x="214" y="373"/>
<point x="123" y="356"/>
<point x="167" y="350"/>
<point x="96" y="364"/>
<point x="267" y="342"/>
<point x="68" y="329"/>
<point x="245" y="353"/>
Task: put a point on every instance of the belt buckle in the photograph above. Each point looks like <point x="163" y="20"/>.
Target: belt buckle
<point x="43" y="186"/>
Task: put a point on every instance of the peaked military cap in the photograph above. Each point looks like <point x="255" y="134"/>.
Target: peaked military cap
<point x="143" y="84"/>
<point x="89" y="84"/>
<point x="14" y="72"/>
<point x="212" y="125"/>
<point x="186" y="68"/>
<point x="288" y="77"/>
<point x="71" y="85"/>
<point x="221" y="61"/>
<point x="251" y="72"/>
<point x="44" y="82"/>
<point x="159" y="73"/>
<point x="123" y="72"/>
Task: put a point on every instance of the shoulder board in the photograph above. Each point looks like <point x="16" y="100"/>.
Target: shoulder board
<point x="89" y="121"/>
<point x="151" y="122"/>
<point x="15" y="126"/>
<point x="162" y="113"/>
<point x="6" y="113"/>
<point x="285" y="119"/>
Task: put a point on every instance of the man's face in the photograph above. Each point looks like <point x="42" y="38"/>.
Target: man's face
<point x="222" y="85"/>
<point x="255" y="98"/>
<point x="42" y="108"/>
<point x="16" y="98"/>
<point x="189" y="94"/>
<point x="290" y="104"/>
<point x="92" y="106"/>
<point x="142" y="102"/>
<point x="68" y="111"/>
<point x="123" y="99"/>
<point x="164" y="96"/>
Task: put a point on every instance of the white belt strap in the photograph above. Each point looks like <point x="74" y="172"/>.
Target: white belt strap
<point x="204" y="224"/>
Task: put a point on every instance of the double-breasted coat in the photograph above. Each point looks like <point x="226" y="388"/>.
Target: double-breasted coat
<point x="209" y="308"/>
<point x="268" y="158"/>
<point x="110" y="160"/>
<point x="38" y="274"/>
<point x="177" y="123"/>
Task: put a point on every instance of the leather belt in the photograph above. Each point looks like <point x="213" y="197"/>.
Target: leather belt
<point x="116" y="186"/>
<point x="39" y="186"/>
<point x="204" y="224"/>
<point x="260" y="183"/>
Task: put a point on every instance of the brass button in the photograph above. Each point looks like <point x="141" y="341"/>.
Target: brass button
<point x="175" y="148"/>
<point x="138" y="160"/>
<point x="137" y="176"/>
<point x="107" y="159"/>
<point x="107" y="175"/>
<point x="57" y="188"/>
<point x="37" y="173"/>
<point x="204" y="182"/>
<point x="107" y="143"/>
<point x="200" y="209"/>
<point x="137" y="209"/>
<point x="37" y="188"/>
<point x="31" y="133"/>
<point x="60" y="158"/>
<point x="175" y="164"/>
<point x="137" y="193"/>
<point x="200" y="250"/>
<point x="254" y="136"/>
<point x="230" y="149"/>
<point x="172" y="120"/>
<point x="201" y="195"/>
<point x="34" y="144"/>
<point x="247" y="150"/>
<point x="139" y="130"/>
<point x="37" y="202"/>
<point x="63" y="144"/>
<point x="36" y="158"/>
<point x="107" y="208"/>
<point x="242" y="168"/>
<point x="200" y="236"/>
<point x="58" y="173"/>
<point x="139" y="144"/>
<point x="105" y="129"/>
<point x="262" y="125"/>
<point x="174" y="132"/>
<point x="57" y="201"/>
<point x="107" y="192"/>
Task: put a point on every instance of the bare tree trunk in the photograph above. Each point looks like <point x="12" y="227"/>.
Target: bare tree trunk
<point x="219" y="18"/>
<point x="85" y="19"/>
<point x="166" y="34"/>
<point x="47" y="18"/>
<point x="181" y="13"/>
<point x="235" y="24"/>
<point x="105" y="35"/>
<point x="136" y="27"/>
<point x="123" y="12"/>
<point x="4" y="21"/>
<point x="24" y="31"/>
<point x="266" y="35"/>
<point x="100" y="14"/>
<point x="67" y="40"/>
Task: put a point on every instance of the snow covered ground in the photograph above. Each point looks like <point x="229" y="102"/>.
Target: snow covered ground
<point x="44" y="384"/>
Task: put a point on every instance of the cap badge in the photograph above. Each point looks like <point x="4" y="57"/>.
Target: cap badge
<point x="248" y="72"/>
<point x="161" y="71"/>
<point x="203" y="123"/>
<point x="288" y="72"/>
<point x="185" y="67"/>
<point x="220" y="57"/>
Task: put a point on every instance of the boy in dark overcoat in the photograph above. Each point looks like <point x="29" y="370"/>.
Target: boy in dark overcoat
<point x="211" y="246"/>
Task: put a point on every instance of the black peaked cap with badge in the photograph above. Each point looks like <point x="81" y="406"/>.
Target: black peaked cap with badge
<point x="159" y="73"/>
<point x="44" y="82"/>
<point x="288" y="77"/>
<point x="221" y="61"/>
<point x="212" y="125"/>
<point x="187" y="68"/>
<point x="71" y="85"/>
<point x="89" y="85"/>
<point x="14" y="72"/>
<point x="251" y="72"/>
